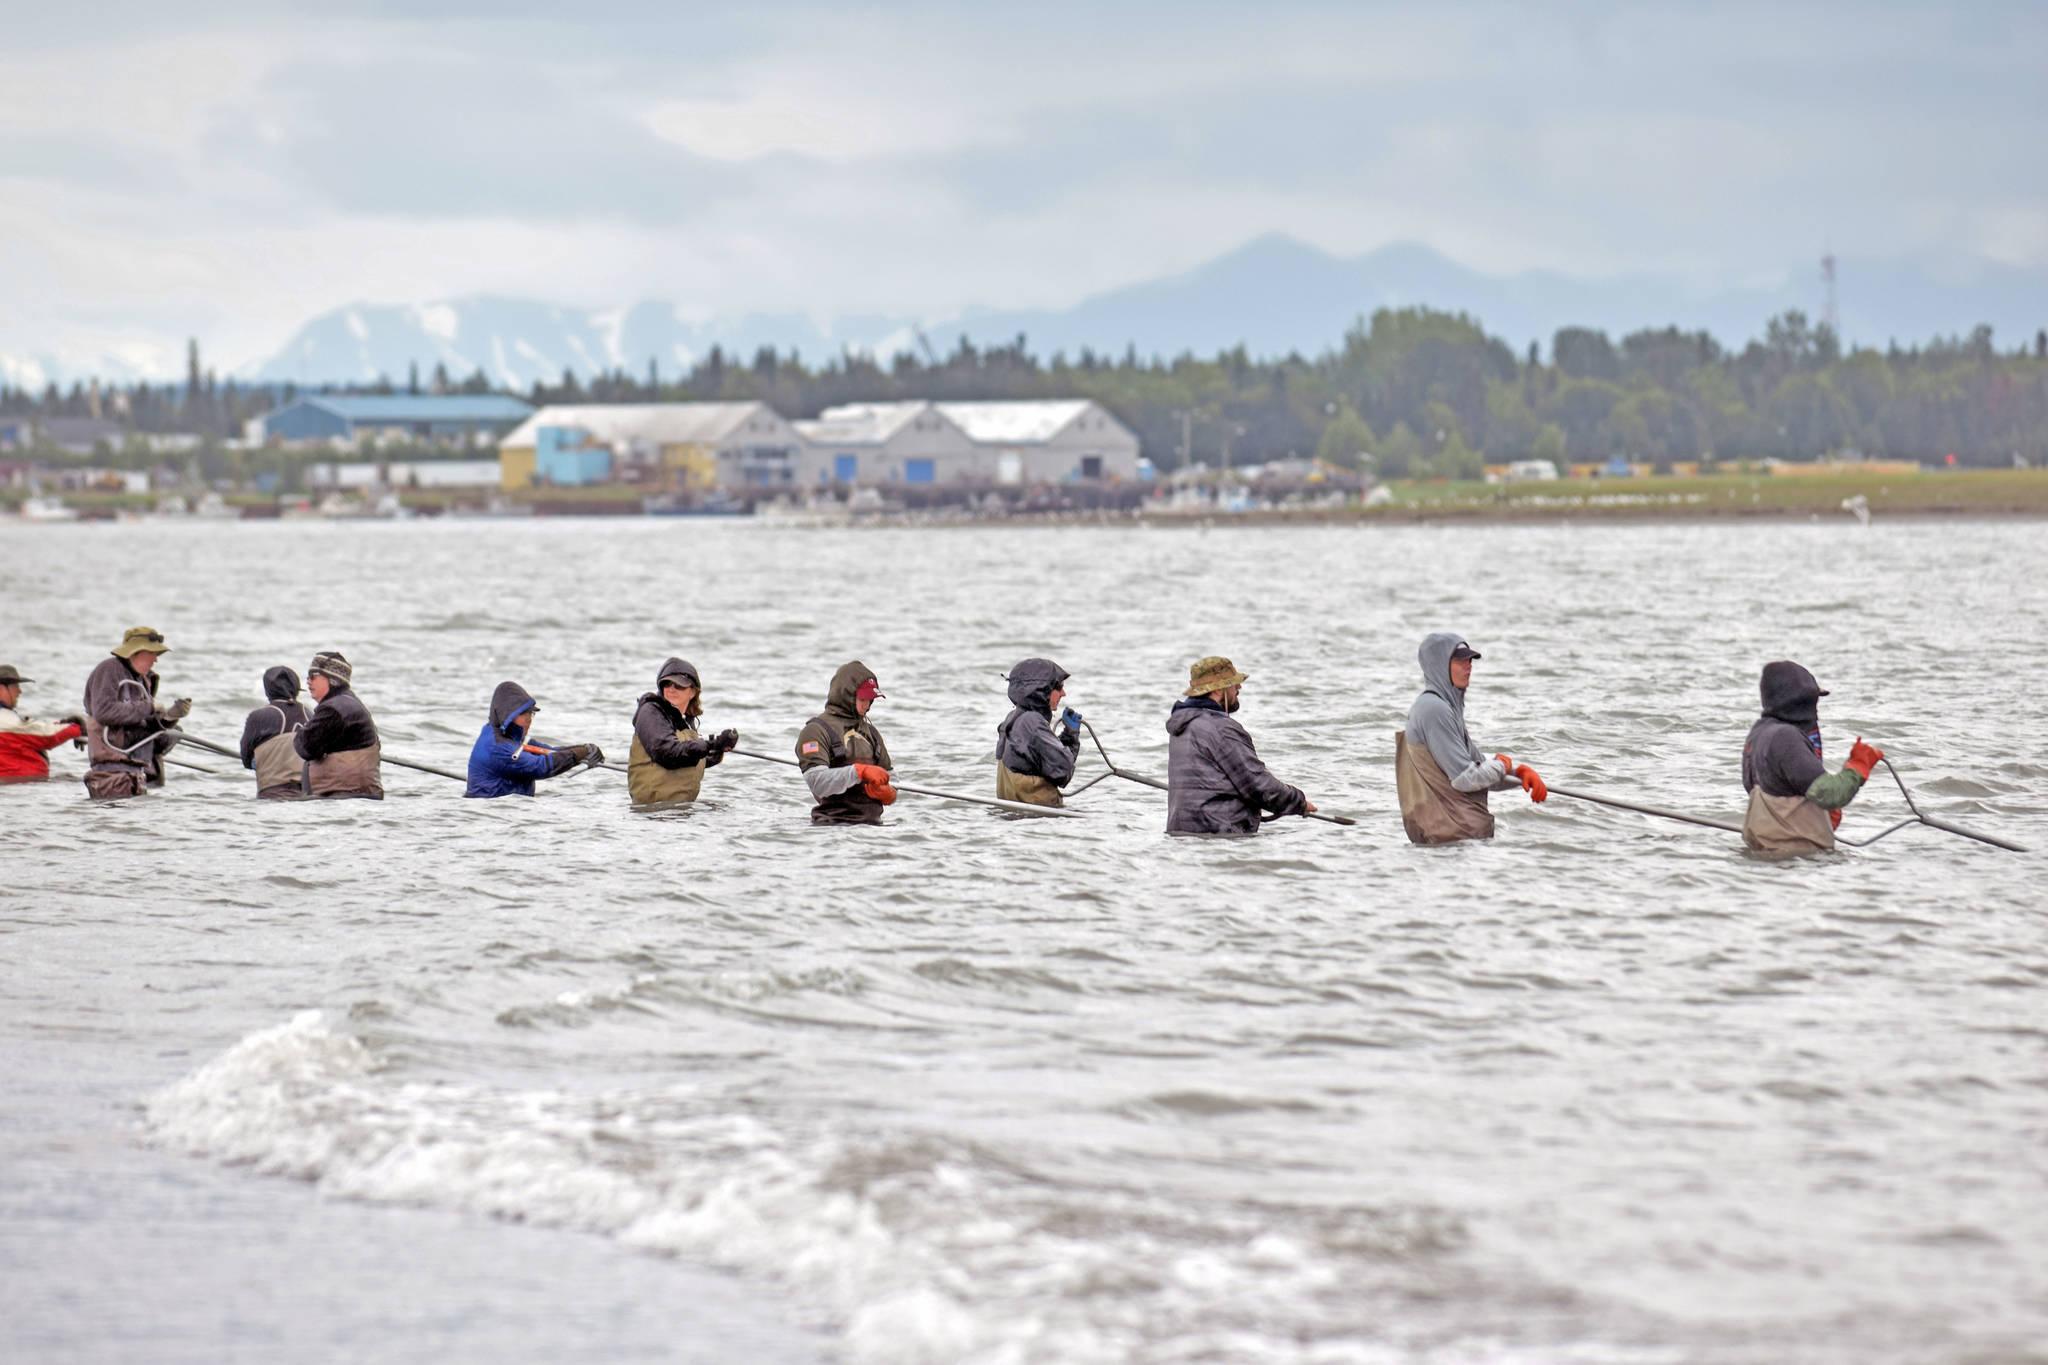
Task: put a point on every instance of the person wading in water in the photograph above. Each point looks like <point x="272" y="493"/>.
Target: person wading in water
<point x="24" y="742"/>
<point x="502" y="763"/>
<point x="1439" y="774"/>
<point x="842" y="754"/>
<point x="669" y="756"/>
<point x="340" y="744"/>
<point x="1034" y="754"/>
<point x="1215" y="783"/>
<point x="126" y="732"/>
<point x="267" y="738"/>
<point x="1795" y="803"/>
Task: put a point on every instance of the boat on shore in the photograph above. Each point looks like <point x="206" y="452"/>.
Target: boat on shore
<point x="47" y="509"/>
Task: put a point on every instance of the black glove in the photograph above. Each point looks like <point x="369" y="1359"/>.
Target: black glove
<point x="73" y="719"/>
<point x="592" y="754"/>
<point x="725" y="741"/>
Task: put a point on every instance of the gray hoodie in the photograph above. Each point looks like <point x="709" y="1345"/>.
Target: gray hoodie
<point x="1437" y="722"/>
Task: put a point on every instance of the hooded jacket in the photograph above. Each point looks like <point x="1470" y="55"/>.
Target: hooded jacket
<point x="1790" y="789"/>
<point x="1782" y="751"/>
<point x="1440" y="775"/>
<point x="1215" y="783"/>
<point x="1437" y="722"/>
<point x="835" y="740"/>
<point x="123" y="732"/>
<point x="341" y="747"/>
<point x="500" y="763"/>
<point x="669" y="756"/>
<point x="23" y="742"/>
<point x="1035" y="762"/>
<point x="281" y="714"/>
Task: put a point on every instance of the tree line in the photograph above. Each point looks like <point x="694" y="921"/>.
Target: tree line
<point x="1410" y="392"/>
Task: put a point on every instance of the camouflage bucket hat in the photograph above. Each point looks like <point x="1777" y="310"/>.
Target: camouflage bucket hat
<point x="1212" y="674"/>
<point x="141" y="640"/>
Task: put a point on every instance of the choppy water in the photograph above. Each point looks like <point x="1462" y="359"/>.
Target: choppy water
<point x="446" y="1080"/>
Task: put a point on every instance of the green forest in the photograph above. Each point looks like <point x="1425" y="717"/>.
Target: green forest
<point x="1411" y="392"/>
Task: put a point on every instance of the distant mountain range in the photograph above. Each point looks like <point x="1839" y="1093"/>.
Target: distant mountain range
<point x="1274" y="295"/>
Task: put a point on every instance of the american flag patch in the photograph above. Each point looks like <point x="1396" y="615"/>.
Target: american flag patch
<point x="810" y="746"/>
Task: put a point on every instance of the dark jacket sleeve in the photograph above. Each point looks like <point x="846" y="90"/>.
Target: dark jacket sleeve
<point x="1788" y="765"/>
<point x="263" y="724"/>
<point x="1030" y="747"/>
<point x="1230" y="748"/>
<point x="323" y="733"/>
<point x="658" y="737"/>
<point x="109" y="703"/>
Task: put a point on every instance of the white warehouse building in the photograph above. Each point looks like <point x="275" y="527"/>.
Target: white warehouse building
<point x="1006" y="443"/>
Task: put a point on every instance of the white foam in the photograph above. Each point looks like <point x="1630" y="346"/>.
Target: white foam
<point x="923" y="1248"/>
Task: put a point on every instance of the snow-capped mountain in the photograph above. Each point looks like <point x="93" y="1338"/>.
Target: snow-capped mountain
<point x="1273" y="295"/>
<point x="517" y="341"/>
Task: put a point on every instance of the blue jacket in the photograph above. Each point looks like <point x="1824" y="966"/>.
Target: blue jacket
<point x="499" y="763"/>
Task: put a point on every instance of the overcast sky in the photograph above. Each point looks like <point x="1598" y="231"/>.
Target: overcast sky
<point x="230" y="170"/>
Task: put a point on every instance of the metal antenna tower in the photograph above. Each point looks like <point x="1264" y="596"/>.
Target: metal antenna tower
<point x="1831" y="315"/>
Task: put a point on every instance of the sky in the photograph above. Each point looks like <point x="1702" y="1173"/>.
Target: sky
<point x="227" y="171"/>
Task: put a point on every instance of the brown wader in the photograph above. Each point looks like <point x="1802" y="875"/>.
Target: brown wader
<point x="1785" y="826"/>
<point x="1432" y="810"/>
<point x="650" y="784"/>
<point x="1026" y="787"/>
<point x="352" y="772"/>
<point x="280" y="772"/>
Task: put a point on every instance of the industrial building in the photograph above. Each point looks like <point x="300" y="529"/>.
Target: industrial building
<point x="1007" y="443"/>
<point x="881" y="443"/>
<point x="670" y="447"/>
<point x="352" y="419"/>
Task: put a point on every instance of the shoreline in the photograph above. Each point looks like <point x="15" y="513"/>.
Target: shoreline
<point x="1992" y="495"/>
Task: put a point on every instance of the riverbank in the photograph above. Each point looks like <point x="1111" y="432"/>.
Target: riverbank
<point x="2013" y="492"/>
<point x="1844" y="491"/>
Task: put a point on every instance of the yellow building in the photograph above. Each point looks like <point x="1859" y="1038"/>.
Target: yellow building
<point x="666" y="447"/>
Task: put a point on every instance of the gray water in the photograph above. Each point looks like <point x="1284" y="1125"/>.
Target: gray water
<point x="442" y="1080"/>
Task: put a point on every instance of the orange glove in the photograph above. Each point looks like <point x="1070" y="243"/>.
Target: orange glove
<point x="1533" y="784"/>
<point x="875" y="782"/>
<point x="1507" y="765"/>
<point x="1862" y="758"/>
<point x="1834" y="819"/>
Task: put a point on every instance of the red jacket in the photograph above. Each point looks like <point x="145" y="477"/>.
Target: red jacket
<point x="23" y="742"/>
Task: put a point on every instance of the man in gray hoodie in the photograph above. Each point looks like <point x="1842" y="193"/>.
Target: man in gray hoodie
<point x="1439" y="772"/>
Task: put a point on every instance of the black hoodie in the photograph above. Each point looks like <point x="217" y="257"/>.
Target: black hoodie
<point x="281" y="713"/>
<point x="655" y="724"/>
<point x="1783" y="751"/>
<point x="1025" y="742"/>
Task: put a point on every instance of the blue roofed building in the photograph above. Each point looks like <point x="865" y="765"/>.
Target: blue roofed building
<point x="355" y="419"/>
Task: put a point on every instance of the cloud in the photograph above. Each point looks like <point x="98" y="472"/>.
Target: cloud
<point x="239" y="169"/>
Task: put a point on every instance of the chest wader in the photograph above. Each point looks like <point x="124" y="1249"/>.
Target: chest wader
<point x="1786" y="826"/>
<point x="353" y="772"/>
<point x="1432" y="810"/>
<point x="1028" y="787"/>
<point x="280" y="772"/>
<point x="650" y="784"/>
